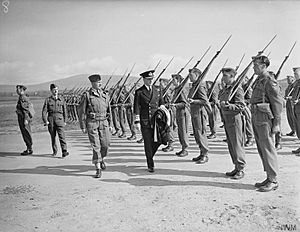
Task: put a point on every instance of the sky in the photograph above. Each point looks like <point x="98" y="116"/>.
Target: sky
<point x="47" y="40"/>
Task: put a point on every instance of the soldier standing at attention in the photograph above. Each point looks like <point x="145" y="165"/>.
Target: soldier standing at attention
<point x="232" y="111"/>
<point x="200" y="107"/>
<point x="289" y="106"/>
<point x="212" y="117"/>
<point x="54" y="115"/>
<point x="24" y="118"/>
<point x="296" y="104"/>
<point x="181" y="105"/>
<point x="128" y="104"/>
<point x="94" y="112"/>
<point x="114" y="113"/>
<point x="147" y="99"/>
<point x="121" y="114"/>
<point x="266" y="108"/>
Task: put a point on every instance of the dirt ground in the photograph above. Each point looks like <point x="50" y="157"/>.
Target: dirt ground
<point x="42" y="193"/>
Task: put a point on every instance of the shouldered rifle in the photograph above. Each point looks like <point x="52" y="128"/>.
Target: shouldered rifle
<point x="131" y="90"/>
<point x="121" y="88"/>
<point x="115" y="87"/>
<point x="237" y="67"/>
<point x="283" y="62"/>
<point x="105" y="86"/>
<point x="162" y="71"/>
<point x="212" y="88"/>
<point x="241" y="77"/>
<point x="157" y="65"/>
<point x="165" y="90"/>
<point x="186" y="79"/>
<point x="201" y="77"/>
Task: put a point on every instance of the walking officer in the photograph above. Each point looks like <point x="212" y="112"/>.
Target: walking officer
<point x="266" y="108"/>
<point x="232" y="111"/>
<point x="94" y="119"/>
<point x="54" y="115"/>
<point x="147" y="99"/>
<point x="24" y="118"/>
<point x="200" y="108"/>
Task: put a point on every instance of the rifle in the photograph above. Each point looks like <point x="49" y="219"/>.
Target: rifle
<point x="168" y="86"/>
<point x="185" y="80"/>
<point x="215" y="81"/>
<point x="201" y="77"/>
<point x="241" y="77"/>
<point x="115" y="87"/>
<point x="285" y="59"/>
<point x="120" y="91"/>
<point x="237" y="67"/>
<point x="157" y="65"/>
<point x="104" y="88"/>
<point x="162" y="71"/>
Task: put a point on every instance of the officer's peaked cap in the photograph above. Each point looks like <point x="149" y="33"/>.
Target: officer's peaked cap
<point x="148" y="74"/>
<point x="94" y="78"/>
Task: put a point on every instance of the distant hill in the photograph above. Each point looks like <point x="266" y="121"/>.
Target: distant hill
<point x="69" y="82"/>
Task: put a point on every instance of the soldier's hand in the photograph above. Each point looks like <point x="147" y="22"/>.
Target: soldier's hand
<point x="275" y="129"/>
<point x="138" y="126"/>
<point x="84" y="130"/>
<point x="46" y="123"/>
<point x="26" y="122"/>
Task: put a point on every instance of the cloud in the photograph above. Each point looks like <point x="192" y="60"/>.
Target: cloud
<point x="104" y="65"/>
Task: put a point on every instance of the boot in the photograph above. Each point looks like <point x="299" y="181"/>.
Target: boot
<point x="168" y="148"/>
<point x="140" y="140"/>
<point x="132" y="137"/>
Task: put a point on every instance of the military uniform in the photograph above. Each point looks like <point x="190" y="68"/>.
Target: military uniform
<point x="248" y="117"/>
<point x="234" y="126"/>
<point x="290" y="107"/>
<point x="212" y="117"/>
<point x="94" y="111"/>
<point x="24" y="114"/>
<point x="199" y="109"/>
<point x="121" y="114"/>
<point x="129" y="115"/>
<point x="115" y="115"/>
<point x="296" y="102"/>
<point x="264" y="117"/>
<point x="146" y="102"/>
<point x="55" y="112"/>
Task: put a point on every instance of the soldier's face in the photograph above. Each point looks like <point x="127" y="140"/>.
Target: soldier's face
<point x="258" y="67"/>
<point x="163" y="84"/>
<point x="227" y="79"/>
<point x="54" y="91"/>
<point x="175" y="82"/>
<point x="148" y="81"/>
<point x="193" y="76"/>
<point x="96" y="84"/>
<point x="290" y="80"/>
<point x="297" y="74"/>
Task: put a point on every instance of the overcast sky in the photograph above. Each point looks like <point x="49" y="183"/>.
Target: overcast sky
<point x="46" y="40"/>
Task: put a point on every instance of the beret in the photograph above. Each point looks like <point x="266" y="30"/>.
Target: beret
<point x="296" y="68"/>
<point x="177" y="77"/>
<point x="94" y="78"/>
<point x="195" y="70"/>
<point x="148" y="74"/>
<point x="21" y="87"/>
<point x="53" y="86"/>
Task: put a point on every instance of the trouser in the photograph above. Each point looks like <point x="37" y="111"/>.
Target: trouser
<point x="54" y="129"/>
<point x="182" y="123"/>
<point x="290" y="115"/>
<point x="115" y="118"/>
<point x="262" y="126"/>
<point x="235" y="139"/>
<point x="199" y="121"/>
<point x="129" y="116"/>
<point x="150" y="146"/>
<point x="212" y="119"/>
<point x="25" y="131"/>
<point x="99" y="136"/>
<point x="122" y="119"/>
<point x="297" y="119"/>
<point x="248" y="123"/>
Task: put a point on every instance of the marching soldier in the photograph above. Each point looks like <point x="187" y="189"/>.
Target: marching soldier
<point x="289" y="106"/>
<point x="181" y="105"/>
<point x="167" y="100"/>
<point x="296" y="103"/>
<point x="147" y="99"/>
<point x="94" y="112"/>
<point x="24" y="118"/>
<point x="247" y="113"/>
<point x="212" y="117"/>
<point x="266" y="108"/>
<point x="54" y="115"/>
<point x="128" y="104"/>
<point x="233" y="123"/>
<point x="200" y="107"/>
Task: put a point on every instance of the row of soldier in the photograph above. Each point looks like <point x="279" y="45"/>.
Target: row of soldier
<point x="150" y="110"/>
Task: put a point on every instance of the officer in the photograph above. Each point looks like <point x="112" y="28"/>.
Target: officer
<point x="289" y="106"/>
<point x="147" y="99"/>
<point x="94" y="112"/>
<point x="54" y="115"/>
<point x="266" y="108"/>
<point x="232" y="111"/>
<point x="212" y="117"/>
<point x="181" y="105"/>
<point x="296" y="104"/>
<point x="247" y="114"/>
<point x="128" y="105"/>
<point x="167" y="101"/>
<point x="200" y="107"/>
<point x="24" y="118"/>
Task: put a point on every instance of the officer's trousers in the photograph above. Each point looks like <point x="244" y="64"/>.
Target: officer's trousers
<point x="182" y="123"/>
<point x="54" y="129"/>
<point x="149" y="145"/>
<point x="262" y="126"/>
<point x="25" y="131"/>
